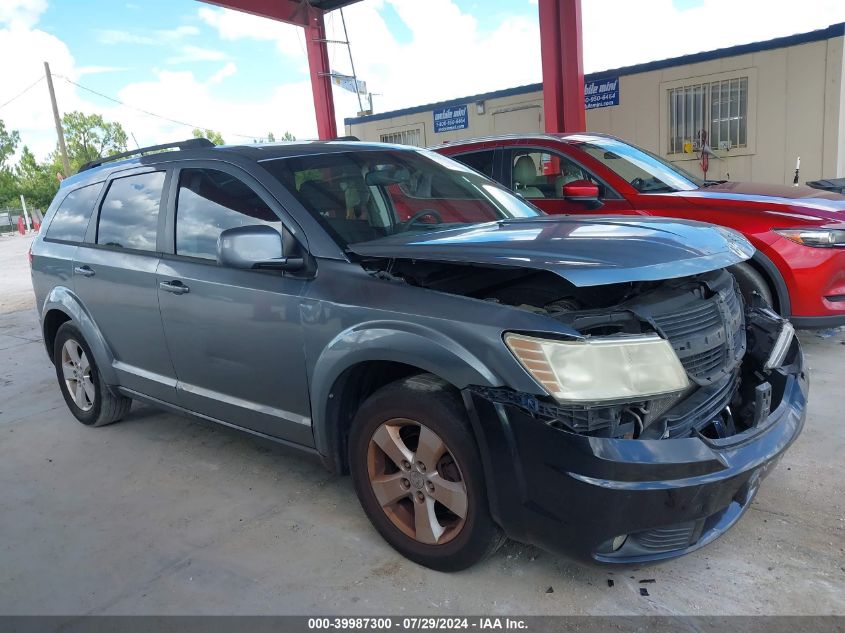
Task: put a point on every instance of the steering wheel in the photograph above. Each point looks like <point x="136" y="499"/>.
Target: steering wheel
<point x="419" y="215"/>
<point x="638" y="184"/>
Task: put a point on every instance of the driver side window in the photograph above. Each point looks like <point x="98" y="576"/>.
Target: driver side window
<point x="537" y="174"/>
<point x="209" y="202"/>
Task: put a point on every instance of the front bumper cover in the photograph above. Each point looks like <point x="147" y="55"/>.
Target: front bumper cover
<point x="575" y="494"/>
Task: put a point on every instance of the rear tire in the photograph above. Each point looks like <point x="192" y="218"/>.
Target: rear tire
<point x="86" y="395"/>
<point x="751" y="281"/>
<point x="429" y="499"/>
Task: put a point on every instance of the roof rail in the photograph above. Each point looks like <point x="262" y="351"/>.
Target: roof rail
<point x="191" y="143"/>
<point x="346" y="138"/>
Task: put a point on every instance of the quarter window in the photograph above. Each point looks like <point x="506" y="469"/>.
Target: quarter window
<point x="129" y="214"/>
<point x="714" y="112"/>
<point x="211" y="201"/>
<point x="73" y="214"/>
<point x="480" y="161"/>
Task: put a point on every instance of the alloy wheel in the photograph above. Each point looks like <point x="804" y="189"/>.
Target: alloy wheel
<point x="417" y="481"/>
<point x="76" y="370"/>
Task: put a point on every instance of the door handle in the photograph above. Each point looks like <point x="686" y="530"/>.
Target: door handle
<point x="85" y="271"/>
<point x="176" y="287"/>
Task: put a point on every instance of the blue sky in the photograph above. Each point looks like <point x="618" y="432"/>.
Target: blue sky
<point x="242" y="75"/>
<point x="89" y="27"/>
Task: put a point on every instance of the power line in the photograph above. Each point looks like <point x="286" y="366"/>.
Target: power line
<point x="152" y="114"/>
<point x="23" y="92"/>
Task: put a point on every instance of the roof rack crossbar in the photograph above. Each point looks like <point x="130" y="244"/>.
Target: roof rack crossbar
<point x="191" y="143"/>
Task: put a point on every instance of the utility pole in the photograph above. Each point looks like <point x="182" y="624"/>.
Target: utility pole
<point x="58" y="120"/>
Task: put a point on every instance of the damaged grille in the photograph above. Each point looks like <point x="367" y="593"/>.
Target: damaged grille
<point x="707" y="334"/>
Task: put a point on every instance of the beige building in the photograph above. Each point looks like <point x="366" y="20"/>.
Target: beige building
<point x="758" y="106"/>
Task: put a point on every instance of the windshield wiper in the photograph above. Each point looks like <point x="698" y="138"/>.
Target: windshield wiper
<point x="710" y="183"/>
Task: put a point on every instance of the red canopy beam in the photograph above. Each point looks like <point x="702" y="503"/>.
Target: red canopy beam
<point x="563" y="65"/>
<point x="311" y="19"/>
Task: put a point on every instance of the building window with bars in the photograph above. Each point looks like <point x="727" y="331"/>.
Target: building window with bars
<point x="405" y="137"/>
<point x="715" y="112"/>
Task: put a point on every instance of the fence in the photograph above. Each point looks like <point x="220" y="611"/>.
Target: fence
<point x="9" y="220"/>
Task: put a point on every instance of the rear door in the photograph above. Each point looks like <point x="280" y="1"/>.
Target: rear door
<point x="234" y="335"/>
<point x="115" y="277"/>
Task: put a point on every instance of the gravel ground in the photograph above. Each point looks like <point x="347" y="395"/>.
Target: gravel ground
<point x="16" y="287"/>
<point x="161" y="514"/>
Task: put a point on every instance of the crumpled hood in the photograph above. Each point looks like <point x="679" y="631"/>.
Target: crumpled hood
<point x="598" y="251"/>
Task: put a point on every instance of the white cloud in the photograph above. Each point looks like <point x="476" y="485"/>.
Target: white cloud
<point x="227" y="71"/>
<point x="447" y="55"/>
<point x="633" y="36"/>
<point x="117" y="36"/>
<point x="236" y="25"/>
<point x="98" y="70"/>
<point x="31" y="114"/>
<point x="22" y="13"/>
<point x="189" y="100"/>
<point x="158" y="38"/>
<point x="188" y="54"/>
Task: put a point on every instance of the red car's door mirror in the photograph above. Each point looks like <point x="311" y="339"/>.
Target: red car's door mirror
<point x="581" y="191"/>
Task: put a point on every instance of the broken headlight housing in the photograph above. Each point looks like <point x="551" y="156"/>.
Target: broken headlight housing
<point x="605" y="369"/>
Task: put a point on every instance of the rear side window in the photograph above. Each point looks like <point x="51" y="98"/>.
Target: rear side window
<point x="211" y="201"/>
<point x="73" y="214"/>
<point x="129" y="214"/>
<point x="479" y="161"/>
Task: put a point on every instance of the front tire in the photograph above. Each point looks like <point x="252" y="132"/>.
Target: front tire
<point x="86" y="395"/>
<point x="751" y="282"/>
<point x="418" y="475"/>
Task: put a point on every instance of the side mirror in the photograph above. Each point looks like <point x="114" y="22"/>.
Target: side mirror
<point x="254" y="247"/>
<point x="581" y="191"/>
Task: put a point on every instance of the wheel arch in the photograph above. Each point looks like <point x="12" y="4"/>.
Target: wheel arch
<point x="767" y="268"/>
<point x="61" y="306"/>
<point x="360" y="361"/>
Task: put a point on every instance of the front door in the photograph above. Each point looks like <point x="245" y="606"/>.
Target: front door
<point x="538" y="175"/>
<point x="115" y="277"/>
<point x="234" y="335"/>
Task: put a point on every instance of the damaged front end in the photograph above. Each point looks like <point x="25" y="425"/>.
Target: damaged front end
<point x="638" y="479"/>
<point x="730" y="386"/>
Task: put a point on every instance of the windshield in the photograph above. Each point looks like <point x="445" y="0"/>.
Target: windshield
<point x="645" y="172"/>
<point x="360" y="196"/>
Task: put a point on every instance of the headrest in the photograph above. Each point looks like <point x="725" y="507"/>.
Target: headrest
<point x="524" y="171"/>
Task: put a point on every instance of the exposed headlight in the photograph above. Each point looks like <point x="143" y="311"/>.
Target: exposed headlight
<point x="600" y="369"/>
<point x="819" y="238"/>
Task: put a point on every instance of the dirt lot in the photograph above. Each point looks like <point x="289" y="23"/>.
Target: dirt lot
<point x="160" y="514"/>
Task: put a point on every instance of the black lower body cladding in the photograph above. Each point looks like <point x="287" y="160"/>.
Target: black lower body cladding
<point x="630" y="500"/>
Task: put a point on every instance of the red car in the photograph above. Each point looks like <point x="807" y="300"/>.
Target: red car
<point x="799" y="232"/>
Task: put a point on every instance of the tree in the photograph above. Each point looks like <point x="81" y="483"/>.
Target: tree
<point x="89" y="136"/>
<point x="37" y="182"/>
<point x="288" y="136"/>
<point x="211" y="135"/>
<point x="8" y="144"/>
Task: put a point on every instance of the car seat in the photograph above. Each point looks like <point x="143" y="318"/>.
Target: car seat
<point x="525" y="177"/>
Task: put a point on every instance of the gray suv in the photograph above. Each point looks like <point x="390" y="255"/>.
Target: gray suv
<point x="595" y="386"/>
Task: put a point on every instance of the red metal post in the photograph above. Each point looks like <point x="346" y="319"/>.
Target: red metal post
<point x="318" y="65"/>
<point x="563" y="65"/>
<point x="304" y="15"/>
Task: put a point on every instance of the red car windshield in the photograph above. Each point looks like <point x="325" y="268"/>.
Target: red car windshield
<point x="364" y="195"/>
<point x="645" y="172"/>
